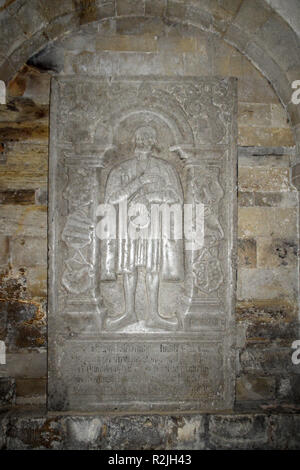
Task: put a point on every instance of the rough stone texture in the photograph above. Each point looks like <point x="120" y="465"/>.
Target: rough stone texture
<point x="23" y="148"/>
<point x="37" y="430"/>
<point x="164" y="339"/>
<point x="7" y="394"/>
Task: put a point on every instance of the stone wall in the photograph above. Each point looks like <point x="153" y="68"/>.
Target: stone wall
<point x="267" y="297"/>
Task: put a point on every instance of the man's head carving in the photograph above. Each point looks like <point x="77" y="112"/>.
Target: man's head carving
<point x="145" y="138"/>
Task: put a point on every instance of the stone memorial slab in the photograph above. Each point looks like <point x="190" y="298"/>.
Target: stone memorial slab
<point x="142" y="228"/>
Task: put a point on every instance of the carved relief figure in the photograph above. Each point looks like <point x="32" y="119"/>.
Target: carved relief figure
<point x="143" y="179"/>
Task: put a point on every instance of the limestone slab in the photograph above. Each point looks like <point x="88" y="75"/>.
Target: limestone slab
<point x="141" y="324"/>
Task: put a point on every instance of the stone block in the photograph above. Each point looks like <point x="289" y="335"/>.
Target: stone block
<point x="263" y="157"/>
<point x="284" y="432"/>
<point x="33" y="431"/>
<point x="175" y="9"/>
<point x="155" y="7"/>
<point x="12" y="35"/>
<point x="20" y="132"/>
<point x="252" y="388"/>
<point x="288" y="389"/>
<point x="267" y="361"/>
<point x="130" y="7"/>
<point x="258" y="283"/>
<point x="251" y="16"/>
<point x="177" y="45"/>
<point x="37" y="281"/>
<point x="279" y="116"/>
<point x="13" y="283"/>
<point x="238" y="432"/>
<point x="247" y="253"/>
<point x="264" y="179"/>
<point x="145" y="43"/>
<point x="27" y="365"/>
<point x="31" y="19"/>
<point x="7" y="394"/>
<point x="276" y="253"/>
<point x="283" y="199"/>
<point x="283" y="47"/>
<point x="263" y="60"/>
<point x="25" y="220"/>
<point x="256" y="90"/>
<point x="254" y="114"/>
<point x="265" y="136"/>
<point x="18" y="196"/>
<point x="3" y="429"/>
<point x="246" y="199"/>
<point x="41" y="196"/>
<point x="25" y="326"/>
<point x="266" y="311"/>
<point x="272" y="332"/>
<point x="4" y="250"/>
<point x="31" y="391"/>
<point x="195" y="63"/>
<point x="29" y="251"/>
<point x="266" y="222"/>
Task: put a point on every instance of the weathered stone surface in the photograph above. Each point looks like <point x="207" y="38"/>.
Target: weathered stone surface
<point x="276" y="252"/>
<point x="21" y="196"/>
<point x="255" y="388"/>
<point x="288" y="389"/>
<point x="284" y="432"/>
<point x="24" y="326"/>
<point x="32" y="84"/>
<point x="265" y="136"/>
<point x="28" y="220"/>
<point x="253" y="114"/>
<point x="145" y="43"/>
<point x="34" y="432"/>
<point x="238" y="432"/>
<point x="37" y="281"/>
<point x="7" y="394"/>
<point x="31" y="391"/>
<point x="267" y="361"/>
<point x="25" y="168"/>
<point x="122" y="343"/>
<point x="267" y="311"/>
<point x="247" y="253"/>
<point x="276" y="283"/>
<point x="27" y="365"/>
<point x="3" y="430"/>
<point x="4" y="250"/>
<point x="273" y="199"/>
<point x="270" y="199"/>
<point x="263" y="179"/>
<point x="267" y="221"/>
<point x="28" y="251"/>
<point x="130" y="7"/>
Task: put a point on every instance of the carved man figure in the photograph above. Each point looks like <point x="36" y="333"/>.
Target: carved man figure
<point x="144" y="179"/>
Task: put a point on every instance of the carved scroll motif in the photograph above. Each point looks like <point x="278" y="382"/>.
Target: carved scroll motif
<point x="77" y="233"/>
<point x="207" y="269"/>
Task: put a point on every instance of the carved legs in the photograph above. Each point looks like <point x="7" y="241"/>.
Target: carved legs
<point x="154" y="320"/>
<point x="129" y="317"/>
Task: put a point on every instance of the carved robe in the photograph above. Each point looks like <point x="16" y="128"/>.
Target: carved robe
<point x="153" y="181"/>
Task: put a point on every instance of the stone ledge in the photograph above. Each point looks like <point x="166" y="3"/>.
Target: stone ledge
<point x="35" y="429"/>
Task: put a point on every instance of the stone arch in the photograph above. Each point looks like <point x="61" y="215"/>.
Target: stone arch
<point x="249" y="25"/>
